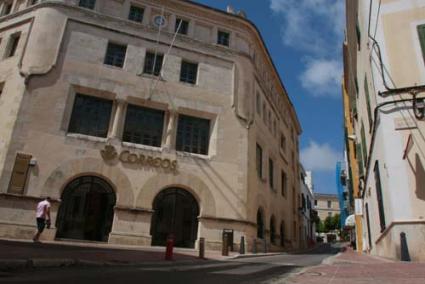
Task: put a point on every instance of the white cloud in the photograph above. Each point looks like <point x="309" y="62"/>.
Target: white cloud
<point x="315" y="28"/>
<point x="322" y="77"/>
<point x="311" y="25"/>
<point x="319" y="157"/>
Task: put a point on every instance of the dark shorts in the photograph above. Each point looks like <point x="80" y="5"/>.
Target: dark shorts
<point x="41" y="224"/>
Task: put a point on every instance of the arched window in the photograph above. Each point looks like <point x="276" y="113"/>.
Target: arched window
<point x="272" y="230"/>
<point x="260" y="224"/>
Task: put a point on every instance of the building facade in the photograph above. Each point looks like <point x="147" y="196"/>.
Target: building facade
<point x="326" y="205"/>
<point x="142" y="119"/>
<point x="308" y="230"/>
<point x="384" y="78"/>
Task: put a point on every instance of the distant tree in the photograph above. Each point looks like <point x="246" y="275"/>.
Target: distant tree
<point x="320" y="227"/>
<point x="336" y="220"/>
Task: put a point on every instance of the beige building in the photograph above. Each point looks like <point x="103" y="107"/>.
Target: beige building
<point x="385" y="83"/>
<point x="326" y="205"/>
<point x="143" y="119"/>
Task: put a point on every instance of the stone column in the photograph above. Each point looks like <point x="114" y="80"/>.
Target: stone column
<point x="171" y="130"/>
<point x="118" y="116"/>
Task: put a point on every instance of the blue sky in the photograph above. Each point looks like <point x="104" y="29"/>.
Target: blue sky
<point x="305" y="38"/>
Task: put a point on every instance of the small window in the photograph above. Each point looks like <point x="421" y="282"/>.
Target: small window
<point x="329" y="204"/>
<point x="182" y="26"/>
<point x="143" y="126"/>
<point x="115" y="55"/>
<point x="282" y="142"/>
<point x="258" y="104"/>
<point x="153" y="64"/>
<point x="223" y="38"/>
<point x="90" y="116"/>
<point x="13" y="45"/>
<point x="315" y="202"/>
<point x="271" y="174"/>
<point x="329" y="214"/>
<point x="188" y="72"/>
<point x="89" y="4"/>
<point x="259" y="161"/>
<point x="284" y="184"/>
<point x="7" y="8"/>
<point x="136" y="14"/>
<point x="1" y="88"/>
<point x="193" y="135"/>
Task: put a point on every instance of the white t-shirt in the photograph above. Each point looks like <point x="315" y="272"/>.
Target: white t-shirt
<point x="40" y="209"/>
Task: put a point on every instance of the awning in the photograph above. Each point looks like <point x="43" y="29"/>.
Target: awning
<point x="350" y="221"/>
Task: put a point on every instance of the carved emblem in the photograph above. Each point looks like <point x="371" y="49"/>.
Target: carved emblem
<point x="109" y="153"/>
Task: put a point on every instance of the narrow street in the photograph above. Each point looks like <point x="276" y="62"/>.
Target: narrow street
<point x="265" y="269"/>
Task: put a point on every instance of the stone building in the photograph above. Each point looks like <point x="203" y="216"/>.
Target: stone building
<point x="143" y="119"/>
<point x="326" y="205"/>
<point x="384" y="92"/>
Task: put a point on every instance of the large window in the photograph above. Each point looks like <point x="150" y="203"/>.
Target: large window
<point x="188" y="72"/>
<point x="223" y="38"/>
<point x="182" y="26"/>
<point x="90" y="116"/>
<point x="379" y="196"/>
<point x="89" y="4"/>
<point x="271" y="174"/>
<point x="143" y="126"/>
<point x="329" y="204"/>
<point x="13" y="45"/>
<point x="115" y="55"/>
<point x="193" y="134"/>
<point x="259" y="161"/>
<point x="153" y="63"/>
<point x="136" y="14"/>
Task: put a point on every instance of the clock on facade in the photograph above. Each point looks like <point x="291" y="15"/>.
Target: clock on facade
<point x="159" y="21"/>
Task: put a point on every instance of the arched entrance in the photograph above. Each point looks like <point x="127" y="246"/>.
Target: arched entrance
<point x="87" y="210"/>
<point x="260" y="224"/>
<point x="272" y="230"/>
<point x="175" y="212"/>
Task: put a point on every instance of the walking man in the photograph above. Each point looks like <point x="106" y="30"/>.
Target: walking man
<point x="43" y="217"/>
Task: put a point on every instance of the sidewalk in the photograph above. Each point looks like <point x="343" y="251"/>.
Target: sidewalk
<point x="350" y="267"/>
<point x="18" y="254"/>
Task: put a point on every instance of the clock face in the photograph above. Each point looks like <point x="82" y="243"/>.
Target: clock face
<point x="159" y="21"/>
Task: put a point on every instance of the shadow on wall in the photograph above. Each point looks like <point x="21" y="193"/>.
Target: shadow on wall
<point x="420" y="178"/>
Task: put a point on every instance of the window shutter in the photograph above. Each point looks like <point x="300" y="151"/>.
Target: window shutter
<point x="19" y="174"/>
<point x="421" y="32"/>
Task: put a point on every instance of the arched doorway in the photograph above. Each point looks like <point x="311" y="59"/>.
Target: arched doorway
<point x="260" y="224"/>
<point x="282" y="234"/>
<point x="87" y="210"/>
<point x="272" y="230"/>
<point x="176" y="212"/>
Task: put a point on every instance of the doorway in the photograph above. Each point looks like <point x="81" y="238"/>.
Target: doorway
<point x="87" y="210"/>
<point x="175" y="212"/>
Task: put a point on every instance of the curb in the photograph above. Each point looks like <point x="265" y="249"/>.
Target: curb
<point x="239" y="256"/>
<point x="38" y="263"/>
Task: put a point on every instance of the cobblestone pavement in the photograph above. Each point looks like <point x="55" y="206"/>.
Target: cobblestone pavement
<point x="350" y="267"/>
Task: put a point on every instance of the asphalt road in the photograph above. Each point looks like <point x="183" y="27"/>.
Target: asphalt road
<point x="265" y="269"/>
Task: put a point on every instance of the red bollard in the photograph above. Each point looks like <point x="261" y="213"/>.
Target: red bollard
<point x="169" y="247"/>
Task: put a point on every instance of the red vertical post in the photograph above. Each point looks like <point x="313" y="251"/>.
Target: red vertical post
<point x="169" y="247"/>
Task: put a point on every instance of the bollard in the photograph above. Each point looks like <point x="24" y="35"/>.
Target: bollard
<point x="242" y="245"/>
<point x="169" y="247"/>
<point x="404" y="254"/>
<point x="225" y="248"/>
<point x="254" y="246"/>
<point x="265" y="246"/>
<point x="202" y="248"/>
